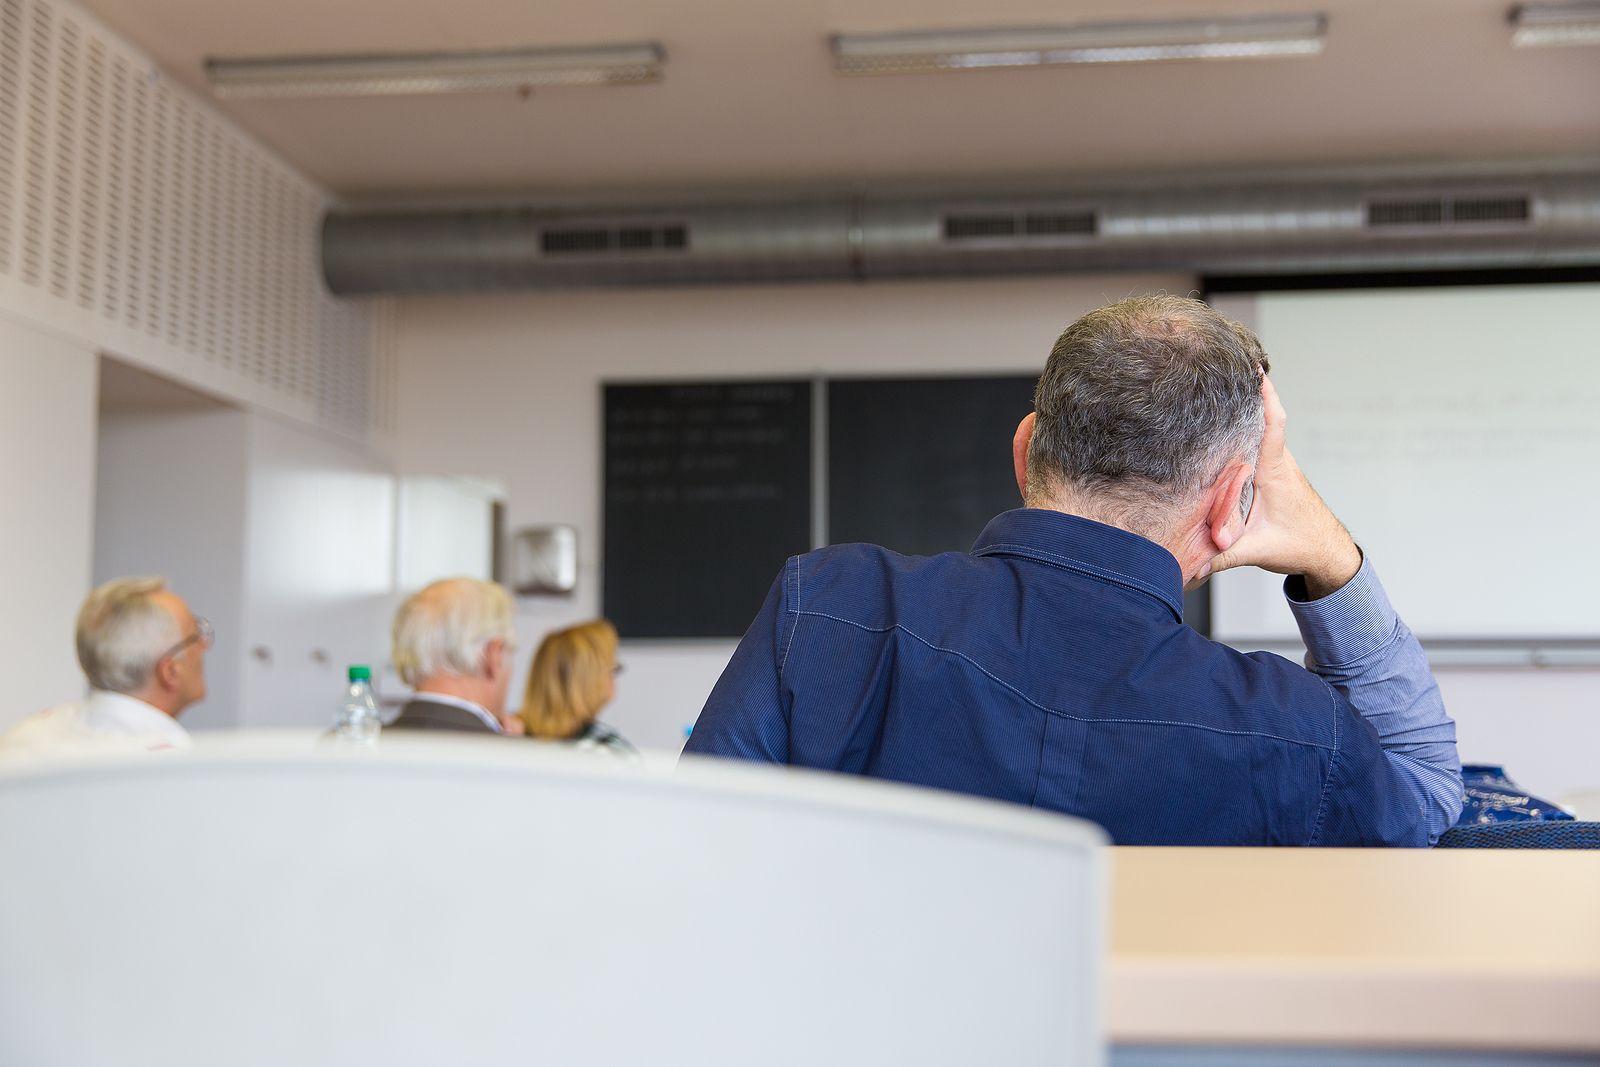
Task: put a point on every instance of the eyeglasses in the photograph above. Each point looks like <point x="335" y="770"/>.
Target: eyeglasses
<point x="202" y="636"/>
<point x="616" y="669"/>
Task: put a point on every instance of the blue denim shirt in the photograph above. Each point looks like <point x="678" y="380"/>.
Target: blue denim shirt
<point x="1051" y="667"/>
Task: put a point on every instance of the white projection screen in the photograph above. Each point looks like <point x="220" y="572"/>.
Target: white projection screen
<point x="1456" y="431"/>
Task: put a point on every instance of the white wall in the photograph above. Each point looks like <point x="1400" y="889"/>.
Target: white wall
<point x="508" y="387"/>
<point x="47" y="461"/>
<point x="1543" y="724"/>
<point x="170" y="501"/>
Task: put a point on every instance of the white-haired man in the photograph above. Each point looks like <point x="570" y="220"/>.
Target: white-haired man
<point x="453" y="642"/>
<point x="143" y="653"/>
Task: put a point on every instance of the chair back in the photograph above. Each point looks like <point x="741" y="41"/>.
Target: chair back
<point x="1530" y="833"/>
<point x="484" y="902"/>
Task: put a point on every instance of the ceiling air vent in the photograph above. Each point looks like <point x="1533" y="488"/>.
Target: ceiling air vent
<point x="1424" y="212"/>
<point x="1032" y="224"/>
<point x="1490" y="209"/>
<point x="1061" y="224"/>
<point x="969" y="227"/>
<point x="1495" y="209"/>
<point x="593" y="240"/>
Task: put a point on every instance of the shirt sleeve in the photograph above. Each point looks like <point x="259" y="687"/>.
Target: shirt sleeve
<point x="1356" y="643"/>
<point x="745" y="716"/>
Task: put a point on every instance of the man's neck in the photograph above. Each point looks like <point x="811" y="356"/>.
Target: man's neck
<point x="472" y="690"/>
<point x="1190" y="549"/>
<point x="1105" y="512"/>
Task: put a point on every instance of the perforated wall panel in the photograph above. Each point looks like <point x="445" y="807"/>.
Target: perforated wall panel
<point x="135" y="217"/>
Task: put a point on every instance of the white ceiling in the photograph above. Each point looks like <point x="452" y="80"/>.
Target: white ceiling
<point x="749" y="98"/>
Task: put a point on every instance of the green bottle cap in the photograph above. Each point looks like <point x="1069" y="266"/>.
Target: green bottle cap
<point x="359" y="673"/>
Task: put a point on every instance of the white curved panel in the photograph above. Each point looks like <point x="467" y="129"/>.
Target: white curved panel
<point x="461" y="903"/>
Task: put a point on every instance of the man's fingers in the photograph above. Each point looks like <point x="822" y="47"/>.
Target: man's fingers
<point x="1269" y="395"/>
<point x="1277" y="419"/>
<point x="1223" y="561"/>
<point x="1257" y="543"/>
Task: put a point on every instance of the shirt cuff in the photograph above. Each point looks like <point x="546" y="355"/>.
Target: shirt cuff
<point x="1348" y="624"/>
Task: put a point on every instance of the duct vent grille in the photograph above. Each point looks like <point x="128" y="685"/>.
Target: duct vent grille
<point x="1427" y="212"/>
<point x="1061" y="224"/>
<point x="1490" y="209"/>
<point x="1500" y="210"/>
<point x="978" y="226"/>
<point x="598" y="240"/>
<point x="970" y="227"/>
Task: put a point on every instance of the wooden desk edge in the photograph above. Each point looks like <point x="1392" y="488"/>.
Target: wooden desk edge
<point x="1155" y="1001"/>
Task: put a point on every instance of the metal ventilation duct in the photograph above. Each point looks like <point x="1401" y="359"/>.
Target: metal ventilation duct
<point x="1352" y="225"/>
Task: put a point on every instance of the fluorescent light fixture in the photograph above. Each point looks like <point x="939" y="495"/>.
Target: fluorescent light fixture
<point x="439" y="72"/>
<point x="1555" y="24"/>
<point x="1103" y="42"/>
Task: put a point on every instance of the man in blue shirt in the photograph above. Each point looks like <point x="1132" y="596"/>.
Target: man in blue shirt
<point x="1050" y="665"/>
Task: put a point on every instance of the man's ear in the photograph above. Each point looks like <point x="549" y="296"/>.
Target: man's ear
<point x="165" y="674"/>
<point x="1222" y="511"/>
<point x="1019" y="451"/>
<point x="494" y="659"/>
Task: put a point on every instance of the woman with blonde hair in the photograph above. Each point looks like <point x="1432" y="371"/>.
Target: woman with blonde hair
<point x="574" y="676"/>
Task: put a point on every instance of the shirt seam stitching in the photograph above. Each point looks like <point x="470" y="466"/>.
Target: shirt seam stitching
<point x="793" y="567"/>
<point x="1056" y="711"/>
<point x="1088" y="569"/>
<point x="1327" y="781"/>
<point x="1038" y="770"/>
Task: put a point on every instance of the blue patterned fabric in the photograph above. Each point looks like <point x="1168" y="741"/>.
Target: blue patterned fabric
<point x="1490" y="796"/>
<point x="1051" y="667"/>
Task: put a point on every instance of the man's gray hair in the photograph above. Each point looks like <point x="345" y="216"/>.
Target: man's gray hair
<point x="122" y="631"/>
<point x="1141" y="406"/>
<point x="443" y="627"/>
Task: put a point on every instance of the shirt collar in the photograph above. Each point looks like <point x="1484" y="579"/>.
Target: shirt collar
<point x="457" y="702"/>
<point x="119" y="713"/>
<point x="1086" y="547"/>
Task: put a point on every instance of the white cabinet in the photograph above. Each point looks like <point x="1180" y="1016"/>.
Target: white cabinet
<point x="319" y="572"/>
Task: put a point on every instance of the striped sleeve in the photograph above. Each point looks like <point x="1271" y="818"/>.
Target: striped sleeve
<point x="1358" y="644"/>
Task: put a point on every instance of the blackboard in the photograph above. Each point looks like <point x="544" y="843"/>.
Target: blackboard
<point x="707" y="491"/>
<point x="920" y="465"/>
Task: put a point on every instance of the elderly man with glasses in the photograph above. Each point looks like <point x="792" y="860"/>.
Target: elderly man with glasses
<point x="143" y="653"/>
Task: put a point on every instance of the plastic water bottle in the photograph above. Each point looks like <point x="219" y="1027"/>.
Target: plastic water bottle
<point x="358" y="721"/>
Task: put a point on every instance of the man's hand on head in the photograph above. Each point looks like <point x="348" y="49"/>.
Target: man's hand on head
<point x="1290" y="530"/>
